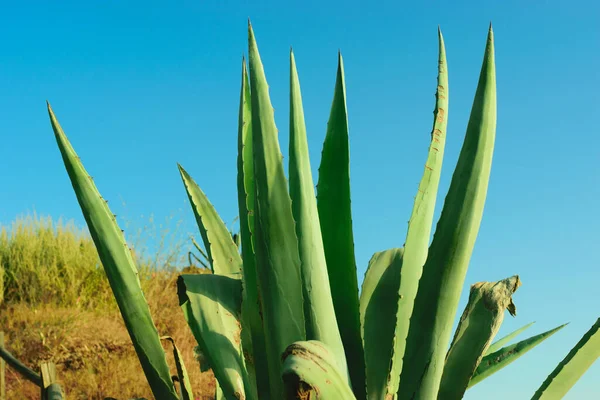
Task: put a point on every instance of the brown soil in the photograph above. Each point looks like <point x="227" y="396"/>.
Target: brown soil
<point x="92" y="349"/>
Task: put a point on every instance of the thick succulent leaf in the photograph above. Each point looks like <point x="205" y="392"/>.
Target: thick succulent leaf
<point x="120" y="269"/>
<point x="476" y="329"/>
<point x="21" y="368"/>
<point x="321" y="323"/>
<point x="219" y="393"/>
<point x="211" y="306"/>
<point x="499" y="359"/>
<point x="275" y="242"/>
<point x="310" y="370"/>
<point x="54" y="392"/>
<point x="335" y="215"/>
<point x="572" y="367"/>
<point x="444" y="272"/>
<point x="498" y="344"/>
<point x="253" y="336"/>
<point x="222" y="252"/>
<point x="420" y="223"/>
<point x="378" y="304"/>
<point x="184" y="379"/>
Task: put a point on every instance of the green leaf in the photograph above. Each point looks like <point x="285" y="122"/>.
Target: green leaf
<point x="19" y="367"/>
<point x="54" y="392"/>
<point x="211" y="306"/>
<point x="276" y="245"/>
<point x="419" y="225"/>
<point x="321" y="324"/>
<point x="219" y="393"/>
<point x="378" y="304"/>
<point x="444" y="272"/>
<point x="476" y="329"/>
<point x="184" y="379"/>
<point x="499" y="359"/>
<point x="221" y="250"/>
<point x="253" y="335"/>
<point x="497" y="345"/>
<point x="120" y="270"/>
<point x="310" y="371"/>
<point x="335" y="215"/>
<point x="572" y="367"/>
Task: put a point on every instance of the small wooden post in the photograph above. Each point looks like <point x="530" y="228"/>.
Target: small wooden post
<point x="2" y="371"/>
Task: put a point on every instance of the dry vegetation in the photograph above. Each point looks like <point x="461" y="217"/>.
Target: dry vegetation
<point x="58" y="306"/>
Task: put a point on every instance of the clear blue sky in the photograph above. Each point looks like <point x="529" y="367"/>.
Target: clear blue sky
<point x="139" y="86"/>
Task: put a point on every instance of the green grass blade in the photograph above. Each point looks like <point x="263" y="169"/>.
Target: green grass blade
<point x="572" y="367"/>
<point x="211" y="305"/>
<point x="378" y="304"/>
<point x="444" y="272"/>
<point x="252" y="324"/>
<point x="276" y="245"/>
<point x="497" y="345"/>
<point x="120" y="270"/>
<point x="335" y="215"/>
<point x="476" y="329"/>
<point x="321" y="323"/>
<point x="310" y="371"/>
<point x="222" y="252"/>
<point x="420" y="223"/>
<point x="494" y="362"/>
<point x="184" y="379"/>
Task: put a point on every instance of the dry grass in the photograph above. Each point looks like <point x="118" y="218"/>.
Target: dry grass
<point x="45" y="262"/>
<point x="81" y="330"/>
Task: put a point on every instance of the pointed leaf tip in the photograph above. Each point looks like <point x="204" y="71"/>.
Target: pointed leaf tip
<point x="50" y="111"/>
<point x="250" y="30"/>
<point x="53" y="120"/>
<point x="340" y="67"/>
<point x="499" y="359"/>
<point x="490" y="33"/>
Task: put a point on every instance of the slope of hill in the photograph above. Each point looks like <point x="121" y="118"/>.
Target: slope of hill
<point x="58" y="306"/>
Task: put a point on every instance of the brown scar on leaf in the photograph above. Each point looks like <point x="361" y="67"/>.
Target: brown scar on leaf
<point x="440" y="115"/>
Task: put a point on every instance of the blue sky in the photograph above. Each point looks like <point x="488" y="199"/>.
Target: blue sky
<point x="139" y="86"/>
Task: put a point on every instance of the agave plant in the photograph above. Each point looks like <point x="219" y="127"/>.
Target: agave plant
<point x="284" y="318"/>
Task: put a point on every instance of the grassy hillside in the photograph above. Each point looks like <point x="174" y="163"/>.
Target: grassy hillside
<point x="57" y="305"/>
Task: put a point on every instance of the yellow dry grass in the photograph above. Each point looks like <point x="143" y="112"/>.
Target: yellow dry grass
<point x="61" y="309"/>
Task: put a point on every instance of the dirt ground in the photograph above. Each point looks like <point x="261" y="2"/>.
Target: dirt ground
<point x="92" y="349"/>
